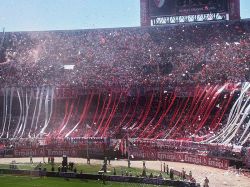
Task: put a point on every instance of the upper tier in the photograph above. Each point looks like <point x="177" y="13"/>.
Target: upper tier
<point x="174" y="55"/>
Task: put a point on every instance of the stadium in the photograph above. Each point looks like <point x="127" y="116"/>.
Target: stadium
<point x="174" y="92"/>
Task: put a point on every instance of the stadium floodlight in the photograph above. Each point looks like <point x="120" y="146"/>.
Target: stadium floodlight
<point x="69" y="67"/>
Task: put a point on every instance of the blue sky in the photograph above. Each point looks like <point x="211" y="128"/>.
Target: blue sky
<point x="22" y="15"/>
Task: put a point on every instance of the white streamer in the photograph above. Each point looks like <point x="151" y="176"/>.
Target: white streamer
<point x="26" y="113"/>
<point x="34" y="113"/>
<point x="48" y="113"/>
<point x="21" y="113"/>
<point x="237" y="120"/>
<point x="6" y="91"/>
<point x="10" y="111"/>
<point x="39" y="107"/>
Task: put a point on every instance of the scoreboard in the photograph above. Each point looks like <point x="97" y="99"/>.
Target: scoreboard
<point x="186" y="7"/>
<point x="152" y="10"/>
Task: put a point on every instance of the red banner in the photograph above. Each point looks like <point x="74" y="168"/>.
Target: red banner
<point x="182" y="157"/>
<point x="26" y="152"/>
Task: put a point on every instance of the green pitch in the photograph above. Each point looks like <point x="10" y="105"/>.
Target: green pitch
<point x="91" y="169"/>
<point x="94" y="168"/>
<point x="22" y="181"/>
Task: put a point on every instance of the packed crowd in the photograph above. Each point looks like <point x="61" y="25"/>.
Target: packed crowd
<point x="170" y="56"/>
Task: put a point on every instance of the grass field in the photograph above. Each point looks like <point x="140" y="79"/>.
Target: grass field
<point x="26" y="166"/>
<point x="22" y="181"/>
<point x="94" y="168"/>
<point x="29" y="181"/>
<point x="90" y="169"/>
